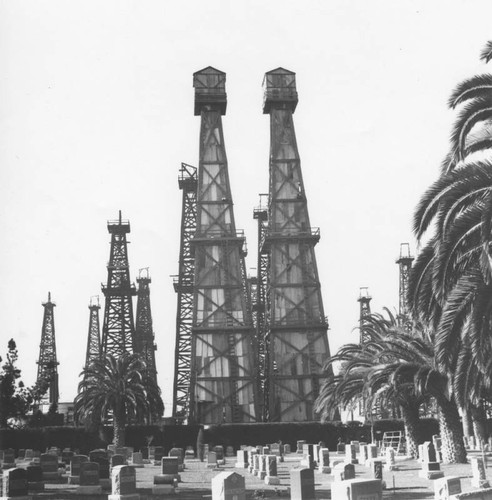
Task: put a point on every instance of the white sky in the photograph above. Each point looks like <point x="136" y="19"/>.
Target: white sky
<point x="96" y="115"/>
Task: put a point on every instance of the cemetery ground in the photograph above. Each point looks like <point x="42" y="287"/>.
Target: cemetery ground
<point x="196" y="478"/>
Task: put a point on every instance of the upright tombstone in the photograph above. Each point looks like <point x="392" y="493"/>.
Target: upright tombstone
<point x="350" y="454"/>
<point x="123" y="483"/>
<point x="363" y="453"/>
<point x="67" y="456"/>
<point x="219" y="450"/>
<point x="341" y="449"/>
<point x="74" y="476"/>
<point x="229" y="451"/>
<point x="49" y="466"/>
<point x="357" y="445"/>
<point x="437" y="442"/>
<point x="14" y="484"/>
<point x="228" y="486"/>
<point x="377" y="471"/>
<point x="286" y="449"/>
<point x="8" y="460"/>
<point x="89" y="479"/>
<point x="251" y="455"/>
<point x="28" y="454"/>
<point x="256" y="464"/>
<point x="101" y="457"/>
<point x="212" y="460"/>
<point x="372" y="454"/>
<point x="116" y="460"/>
<point x="302" y="484"/>
<point x="446" y="486"/>
<point x="179" y="454"/>
<point x="479" y="480"/>
<point x="430" y="467"/>
<point x="300" y="447"/>
<point x="354" y="489"/>
<point x="271" y="470"/>
<point x="263" y="467"/>
<point x="324" y="461"/>
<point x="242" y="459"/>
<point x="158" y="454"/>
<point x="189" y="453"/>
<point x="137" y="459"/>
<point x="390" y="459"/>
<point x="35" y="478"/>
<point x="168" y="479"/>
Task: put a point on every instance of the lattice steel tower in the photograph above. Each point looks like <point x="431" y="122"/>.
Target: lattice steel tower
<point x="364" y="301"/>
<point x="118" y="328"/>
<point x="222" y="385"/>
<point x="405" y="265"/>
<point x="297" y="327"/>
<point x="144" y="333"/>
<point x="93" y="351"/>
<point x="47" y="362"/>
<point x="183" y="286"/>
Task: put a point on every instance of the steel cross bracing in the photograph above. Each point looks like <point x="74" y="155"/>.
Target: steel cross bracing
<point x="93" y="350"/>
<point x="183" y="286"/>
<point x="297" y="327"/>
<point x="405" y="265"/>
<point x="365" y="310"/>
<point x="118" y="327"/>
<point x="144" y="333"/>
<point x="47" y="362"/>
<point x="223" y="378"/>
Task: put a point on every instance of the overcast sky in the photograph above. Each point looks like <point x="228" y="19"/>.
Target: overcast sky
<point x="96" y="115"/>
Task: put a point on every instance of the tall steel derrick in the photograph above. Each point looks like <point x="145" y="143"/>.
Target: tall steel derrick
<point x="405" y="265"/>
<point x="365" y="310"/>
<point x="222" y="383"/>
<point x="183" y="286"/>
<point x="47" y="362"/>
<point x="93" y="350"/>
<point x="144" y="333"/>
<point x="118" y="327"/>
<point x="297" y="328"/>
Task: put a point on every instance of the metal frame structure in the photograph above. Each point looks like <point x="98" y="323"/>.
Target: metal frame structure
<point x="364" y="301"/>
<point x="144" y="332"/>
<point x="183" y="286"/>
<point x="118" y="327"/>
<point x="405" y="265"/>
<point x="93" y="350"/>
<point x="296" y="324"/>
<point x="223" y="385"/>
<point x="47" y="362"/>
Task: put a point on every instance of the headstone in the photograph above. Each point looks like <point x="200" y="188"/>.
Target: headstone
<point x="145" y="452"/>
<point x="390" y="459"/>
<point x="228" y="486"/>
<point x="357" y="489"/>
<point x="324" y="461"/>
<point x="340" y="449"/>
<point x="271" y="470"/>
<point x="430" y="466"/>
<point x="8" y="460"/>
<point x="21" y="454"/>
<point x="302" y="484"/>
<point x="300" y="445"/>
<point x="189" y="453"/>
<point x="111" y="449"/>
<point x="89" y="479"/>
<point x="307" y="461"/>
<point x="242" y="459"/>
<point x="286" y="449"/>
<point x="49" y="466"/>
<point x="437" y="442"/>
<point x="35" y="478"/>
<point x="170" y="465"/>
<point x="179" y="454"/>
<point x="115" y="461"/>
<point x="123" y="483"/>
<point x="263" y="467"/>
<point x="211" y="459"/>
<point x="428" y="452"/>
<point x="357" y="445"/>
<point x="29" y="454"/>
<point x="219" y="450"/>
<point x="256" y="464"/>
<point x="158" y="454"/>
<point x="479" y="479"/>
<point x="372" y="454"/>
<point x="151" y="453"/>
<point x="377" y="469"/>
<point x="169" y="477"/>
<point x="74" y="476"/>
<point x="229" y="451"/>
<point x="350" y="452"/>
<point x="364" y="453"/>
<point x="137" y="460"/>
<point x="446" y="486"/>
<point x="251" y="454"/>
<point x="67" y="456"/>
<point x="14" y="483"/>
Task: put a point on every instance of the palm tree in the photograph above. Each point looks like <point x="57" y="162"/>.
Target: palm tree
<point x="121" y="386"/>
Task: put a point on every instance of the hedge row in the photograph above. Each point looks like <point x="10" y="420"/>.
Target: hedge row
<point x="235" y="435"/>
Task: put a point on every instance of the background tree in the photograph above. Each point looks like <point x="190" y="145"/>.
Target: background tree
<point x="120" y="386"/>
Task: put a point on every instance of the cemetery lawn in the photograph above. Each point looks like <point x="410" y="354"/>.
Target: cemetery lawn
<point x="196" y="481"/>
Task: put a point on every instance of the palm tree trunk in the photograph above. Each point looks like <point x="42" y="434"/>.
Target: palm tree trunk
<point x="411" y="422"/>
<point x="479" y="420"/>
<point x="467" y="423"/>
<point x="119" y="424"/>
<point x="453" y="447"/>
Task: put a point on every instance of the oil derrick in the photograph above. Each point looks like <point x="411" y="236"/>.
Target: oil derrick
<point x="47" y="362"/>
<point x="118" y="327"/>
<point x="365" y="310"/>
<point x="405" y="265"/>
<point x="93" y="351"/>
<point x="183" y="286"/>
<point x="222" y="385"/>
<point x="297" y="327"/>
<point x="144" y="333"/>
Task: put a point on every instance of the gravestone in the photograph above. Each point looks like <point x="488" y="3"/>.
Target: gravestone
<point x="123" y="483"/>
<point x="35" y="478"/>
<point x="242" y="459"/>
<point x="390" y="459"/>
<point x="67" y="456"/>
<point x="189" y="453"/>
<point x="179" y="454"/>
<point x="228" y="486"/>
<point x="111" y="449"/>
<point x="372" y="454"/>
<point x="151" y="453"/>
<point x="377" y="470"/>
<point x="357" y="445"/>
<point x="8" y="460"/>
<point x="343" y="471"/>
<point x="74" y="476"/>
<point x="271" y="470"/>
<point x="137" y="460"/>
<point x="229" y="451"/>
<point x="364" y="453"/>
<point x="430" y="467"/>
<point x="350" y="452"/>
<point x="115" y="461"/>
<point x="14" y="483"/>
<point x="145" y="452"/>
<point x="446" y="486"/>
<point x="158" y="454"/>
<point x="300" y="446"/>
<point x="102" y="459"/>
<point x="340" y="449"/>
<point x="89" y="479"/>
<point x="49" y="466"/>
<point x="251" y="454"/>
<point x="170" y="467"/>
<point x="437" y="442"/>
<point x="256" y="464"/>
<point x="262" y="472"/>
<point x="286" y="449"/>
<point x="211" y="460"/>
<point x="324" y="461"/>
<point x="219" y="451"/>
<point x="35" y="457"/>
<point x="479" y="479"/>
<point x="357" y="489"/>
<point x="307" y="461"/>
<point x="21" y="454"/>
<point x="29" y="454"/>
<point x="167" y="480"/>
<point x="302" y="484"/>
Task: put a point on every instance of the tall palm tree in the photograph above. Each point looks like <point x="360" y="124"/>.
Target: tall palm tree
<point x="118" y="385"/>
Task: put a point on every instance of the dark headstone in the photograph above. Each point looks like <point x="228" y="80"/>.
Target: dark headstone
<point x="14" y="482"/>
<point x="302" y="484"/>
